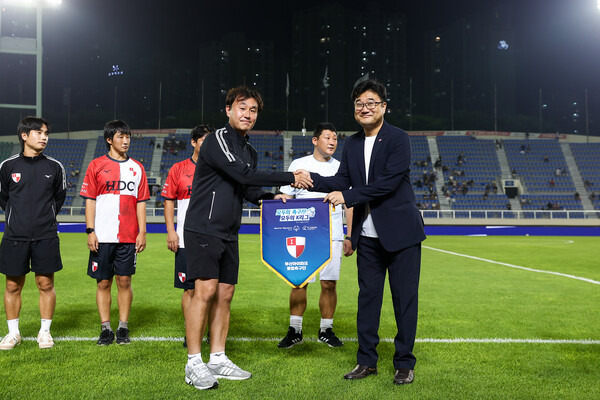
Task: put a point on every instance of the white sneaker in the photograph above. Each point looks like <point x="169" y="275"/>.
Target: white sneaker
<point x="199" y="376"/>
<point x="44" y="340"/>
<point x="10" y="341"/>
<point x="228" y="370"/>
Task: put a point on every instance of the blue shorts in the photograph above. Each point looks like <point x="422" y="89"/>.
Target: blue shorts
<point x="112" y="259"/>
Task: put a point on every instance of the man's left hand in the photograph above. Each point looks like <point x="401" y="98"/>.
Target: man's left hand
<point x="283" y="197"/>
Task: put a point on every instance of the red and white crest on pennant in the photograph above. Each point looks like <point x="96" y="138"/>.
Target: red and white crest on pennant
<point x="94" y="266"/>
<point x="181" y="276"/>
<point x="295" y="245"/>
<point x="16" y="177"/>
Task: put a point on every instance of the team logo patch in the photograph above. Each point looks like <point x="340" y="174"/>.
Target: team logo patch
<point x="16" y="177"/>
<point x="295" y="245"/>
<point x="134" y="172"/>
<point x="181" y="276"/>
<point x="94" y="266"/>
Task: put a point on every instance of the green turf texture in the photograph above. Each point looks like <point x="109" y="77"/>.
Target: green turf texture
<point x="459" y="298"/>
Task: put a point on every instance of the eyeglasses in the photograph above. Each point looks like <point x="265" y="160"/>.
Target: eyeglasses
<point x="369" y="104"/>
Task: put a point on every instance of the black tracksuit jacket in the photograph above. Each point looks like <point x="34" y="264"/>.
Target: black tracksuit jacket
<point x="32" y="192"/>
<point x="226" y="175"/>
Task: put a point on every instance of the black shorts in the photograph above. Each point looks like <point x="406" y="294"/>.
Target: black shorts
<point x="43" y="255"/>
<point x="212" y="258"/>
<point x="181" y="281"/>
<point x="112" y="259"/>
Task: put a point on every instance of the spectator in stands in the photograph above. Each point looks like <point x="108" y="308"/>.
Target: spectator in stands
<point x="508" y="206"/>
<point x="558" y="172"/>
<point x="592" y="196"/>
<point x="546" y="158"/>
<point x="494" y="187"/>
<point x="587" y="184"/>
<point x="577" y="197"/>
<point x="513" y="173"/>
<point x="438" y="163"/>
<point x="551" y="182"/>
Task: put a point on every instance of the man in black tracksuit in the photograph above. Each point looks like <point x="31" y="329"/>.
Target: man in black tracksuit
<point x="32" y="192"/>
<point x="225" y="176"/>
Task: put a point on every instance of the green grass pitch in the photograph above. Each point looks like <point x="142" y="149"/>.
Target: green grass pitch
<point x="549" y="323"/>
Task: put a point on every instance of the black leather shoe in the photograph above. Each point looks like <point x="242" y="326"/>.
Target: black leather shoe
<point x="360" y="371"/>
<point x="404" y="376"/>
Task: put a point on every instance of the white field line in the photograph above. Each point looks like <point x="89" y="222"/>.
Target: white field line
<point x="388" y="340"/>
<point x="515" y="266"/>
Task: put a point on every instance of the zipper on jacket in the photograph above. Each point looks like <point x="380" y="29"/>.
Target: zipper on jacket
<point x="8" y="219"/>
<point x="212" y="203"/>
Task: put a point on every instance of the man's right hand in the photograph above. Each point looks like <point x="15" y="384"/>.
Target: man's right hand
<point x="172" y="241"/>
<point x="302" y="179"/>
<point x="92" y="242"/>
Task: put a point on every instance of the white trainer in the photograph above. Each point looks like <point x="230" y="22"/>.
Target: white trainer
<point x="10" y="341"/>
<point x="45" y="340"/>
<point x="199" y="376"/>
<point x="228" y="370"/>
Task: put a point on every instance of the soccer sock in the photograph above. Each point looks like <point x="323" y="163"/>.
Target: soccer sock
<point x="106" y="325"/>
<point x="296" y="322"/>
<point x="217" y="358"/>
<point x="45" y="326"/>
<point x="192" y="357"/>
<point x="13" y="326"/>
<point x="122" y="324"/>
<point x="326" y="323"/>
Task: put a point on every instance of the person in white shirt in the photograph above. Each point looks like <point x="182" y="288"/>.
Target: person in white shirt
<point x="322" y="162"/>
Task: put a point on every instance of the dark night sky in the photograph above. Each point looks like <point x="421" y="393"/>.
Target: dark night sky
<point x="558" y="41"/>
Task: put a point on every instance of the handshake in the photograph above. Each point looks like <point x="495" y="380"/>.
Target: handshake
<point x="302" y="179"/>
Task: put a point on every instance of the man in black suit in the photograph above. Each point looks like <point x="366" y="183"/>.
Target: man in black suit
<point x="374" y="178"/>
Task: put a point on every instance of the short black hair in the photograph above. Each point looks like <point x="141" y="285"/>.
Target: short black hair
<point x="372" y="85"/>
<point x="323" y="126"/>
<point x="199" y="131"/>
<point x="243" y="93"/>
<point x="112" y="128"/>
<point x="29" y="124"/>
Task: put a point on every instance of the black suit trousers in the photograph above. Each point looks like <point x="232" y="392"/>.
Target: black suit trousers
<point x="404" y="268"/>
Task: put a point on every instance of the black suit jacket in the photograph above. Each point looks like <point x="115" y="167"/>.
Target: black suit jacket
<point x="389" y="192"/>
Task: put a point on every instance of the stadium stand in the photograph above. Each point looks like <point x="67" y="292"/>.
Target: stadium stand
<point x="5" y="150"/>
<point x="586" y="158"/>
<point x="540" y="164"/>
<point x="70" y="152"/>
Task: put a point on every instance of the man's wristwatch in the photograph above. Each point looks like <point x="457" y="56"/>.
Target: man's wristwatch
<point x="348" y="238"/>
<point x="89" y="230"/>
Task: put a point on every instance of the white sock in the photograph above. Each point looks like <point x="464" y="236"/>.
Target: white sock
<point x="45" y="326"/>
<point x="193" y="357"/>
<point x="296" y="322"/>
<point x="326" y="323"/>
<point x="13" y="326"/>
<point x="217" y="358"/>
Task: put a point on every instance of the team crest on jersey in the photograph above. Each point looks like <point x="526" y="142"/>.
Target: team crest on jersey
<point x="295" y="245"/>
<point x="16" y="176"/>
<point x="134" y="172"/>
<point x="94" y="266"/>
<point x="181" y="276"/>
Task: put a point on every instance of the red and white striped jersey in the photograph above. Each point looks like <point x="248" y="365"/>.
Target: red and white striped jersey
<point x="117" y="187"/>
<point x="178" y="186"/>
